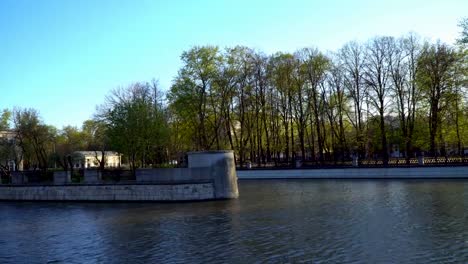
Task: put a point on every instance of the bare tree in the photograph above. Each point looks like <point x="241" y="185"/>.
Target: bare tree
<point x="316" y="66"/>
<point x="352" y="59"/>
<point x="403" y="66"/>
<point x="376" y="77"/>
<point x="336" y="107"/>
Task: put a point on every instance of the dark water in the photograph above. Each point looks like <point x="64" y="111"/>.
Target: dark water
<point x="273" y="222"/>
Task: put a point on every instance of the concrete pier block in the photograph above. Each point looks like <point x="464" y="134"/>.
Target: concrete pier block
<point x="222" y="171"/>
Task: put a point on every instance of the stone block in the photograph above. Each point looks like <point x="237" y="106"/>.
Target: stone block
<point x="221" y="168"/>
<point x="62" y="177"/>
<point x="92" y="176"/>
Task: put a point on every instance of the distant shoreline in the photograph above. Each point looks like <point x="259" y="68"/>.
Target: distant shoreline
<point x="426" y="172"/>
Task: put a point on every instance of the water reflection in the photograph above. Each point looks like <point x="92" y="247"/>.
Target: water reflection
<point x="273" y="221"/>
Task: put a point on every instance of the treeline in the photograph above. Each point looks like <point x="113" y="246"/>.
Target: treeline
<point x="132" y="121"/>
<point x="360" y="100"/>
<point x="365" y="99"/>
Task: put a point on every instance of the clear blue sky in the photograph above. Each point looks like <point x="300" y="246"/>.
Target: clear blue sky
<point x="62" y="57"/>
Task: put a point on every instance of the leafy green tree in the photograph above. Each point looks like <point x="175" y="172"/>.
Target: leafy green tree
<point x="8" y="152"/>
<point x="33" y="137"/>
<point x="97" y="140"/>
<point x="282" y="66"/>
<point x="241" y="93"/>
<point x="436" y="77"/>
<point x="136" y="125"/>
<point x="5" y="117"/>
<point x="193" y="95"/>
<point x="67" y="141"/>
<point x="463" y="24"/>
<point x="7" y="146"/>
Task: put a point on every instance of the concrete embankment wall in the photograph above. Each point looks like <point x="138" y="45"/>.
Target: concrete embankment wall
<point x="115" y="192"/>
<point x="215" y="166"/>
<point x="210" y="175"/>
<point x="358" y="173"/>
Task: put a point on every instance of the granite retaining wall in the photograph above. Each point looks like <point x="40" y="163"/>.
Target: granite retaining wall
<point x="210" y="175"/>
<point x="460" y="172"/>
<point x="115" y="192"/>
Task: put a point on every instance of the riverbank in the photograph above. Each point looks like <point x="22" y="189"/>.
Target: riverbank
<point x="458" y="172"/>
<point x="210" y="175"/>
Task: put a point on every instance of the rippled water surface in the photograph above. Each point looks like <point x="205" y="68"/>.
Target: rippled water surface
<point x="313" y="221"/>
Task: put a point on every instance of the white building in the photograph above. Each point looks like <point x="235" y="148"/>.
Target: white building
<point x="91" y="159"/>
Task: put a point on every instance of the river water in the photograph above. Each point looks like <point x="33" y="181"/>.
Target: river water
<point x="273" y="221"/>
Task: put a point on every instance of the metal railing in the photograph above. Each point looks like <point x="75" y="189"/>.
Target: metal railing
<point x="362" y="163"/>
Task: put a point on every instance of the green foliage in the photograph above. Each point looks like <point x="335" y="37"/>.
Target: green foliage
<point x="33" y="137"/>
<point x="68" y="140"/>
<point x="437" y="79"/>
<point x="136" y="124"/>
<point x="463" y="24"/>
<point x="362" y="100"/>
<point x="193" y="97"/>
<point x="5" y="118"/>
<point x="265" y="107"/>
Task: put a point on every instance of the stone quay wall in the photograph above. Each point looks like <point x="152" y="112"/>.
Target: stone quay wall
<point x="459" y="172"/>
<point x="106" y="192"/>
<point x="210" y="175"/>
<point x="215" y="166"/>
